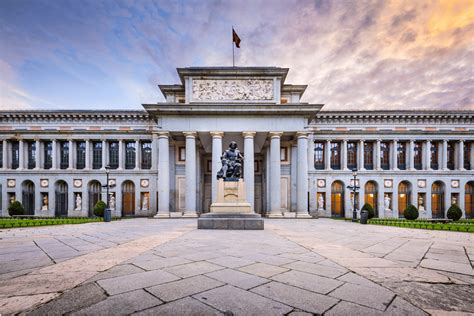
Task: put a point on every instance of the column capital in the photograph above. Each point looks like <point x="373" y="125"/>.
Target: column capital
<point x="275" y="134"/>
<point x="461" y="140"/>
<point x="163" y="135"/>
<point x="190" y="134"/>
<point x="216" y="134"/>
<point x="345" y="140"/>
<point x="302" y="134"/>
<point x="249" y="134"/>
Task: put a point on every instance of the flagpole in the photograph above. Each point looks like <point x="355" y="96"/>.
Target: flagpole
<point x="233" y="61"/>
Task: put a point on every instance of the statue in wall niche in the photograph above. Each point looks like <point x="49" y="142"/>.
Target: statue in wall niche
<point x="231" y="161"/>
<point x="44" y="207"/>
<point x="320" y="202"/>
<point x="421" y="207"/>
<point x="387" y="200"/>
<point x="112" y="202"/>
<point x="78" y="202"/>
<point x="454" y="200"/>
<point x="145" y="203"/>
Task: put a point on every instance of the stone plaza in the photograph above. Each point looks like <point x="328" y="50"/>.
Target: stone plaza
<point x="293" y="267"/>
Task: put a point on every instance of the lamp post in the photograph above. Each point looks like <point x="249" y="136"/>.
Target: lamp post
<point x="107" y="212"/>
<point x="107" y="172"/>
<point x="354" y="189"/>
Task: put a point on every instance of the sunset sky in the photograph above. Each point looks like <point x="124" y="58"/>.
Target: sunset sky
<point x="357" y="55"/>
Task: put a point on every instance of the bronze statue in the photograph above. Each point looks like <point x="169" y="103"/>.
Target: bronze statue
<point x="231" y="164"/>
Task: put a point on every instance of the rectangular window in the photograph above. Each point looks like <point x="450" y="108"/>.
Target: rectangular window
<point x="31" y="155"/>
<point x="15" y="155"/>
<point x="319" y="156"/>
<point x="336" y="156"/>
<point x="351" y="155"/>
<point x="96" y="155"/>
<point x="467" y="156"/>
<point x="384" y="155"/>
<point x="129" y="155"/>
<point x="81" y="155"/>
<point x="418" y="155"/>
<point x="368" y="156"/>
<point x="401" y="156"/>
<point x="181" y="154"/>
<point x="146" y="155"/>
<point x="114" y="155"/>
<point x="434" y="156"/>
<point x="48" y="155"/>
<point x="63" y="155"/>
<point x="451" y="146"/>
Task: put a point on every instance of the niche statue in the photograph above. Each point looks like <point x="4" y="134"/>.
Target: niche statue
<point x="231" y="164"/>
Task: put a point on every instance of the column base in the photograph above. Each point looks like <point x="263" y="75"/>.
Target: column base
<point x="162" y="215"/>
<point x="275" y="215"/>
<point x="190" y="215"/>
<point x="303" y="215"/>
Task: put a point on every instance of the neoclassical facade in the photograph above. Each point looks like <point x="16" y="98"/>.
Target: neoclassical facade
<point x="298" y="158"/>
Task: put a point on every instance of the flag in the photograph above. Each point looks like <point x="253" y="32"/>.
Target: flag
<point x="235" y="38"/>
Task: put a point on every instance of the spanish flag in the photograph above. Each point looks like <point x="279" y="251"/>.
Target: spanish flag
<point x="235" y="38"/>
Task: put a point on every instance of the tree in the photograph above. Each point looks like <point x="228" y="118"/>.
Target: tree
<point x="411" y="212"/>
<point x="16" y="208"/>
<point x="367" y="207"/>
<point x="99" y="208"/>
<point x="454" y="212"/>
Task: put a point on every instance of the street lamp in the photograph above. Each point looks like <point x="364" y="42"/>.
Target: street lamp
<point x="107" y="172"/>
<point x="354" y="189"/>
<point x="107" y="212"/>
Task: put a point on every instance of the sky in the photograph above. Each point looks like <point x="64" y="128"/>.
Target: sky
<point x="354" y="55"/>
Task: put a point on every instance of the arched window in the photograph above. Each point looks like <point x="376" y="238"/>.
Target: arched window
<point x="437" y="199"/>
<point x="61" y="198"/>
<point x="128" y="198"/>
<point x="371" y="195"/>
<point x="28" y="197"/>
<point x="469" y="199"/>
<point x="337" y="199"/>
<point x="319" y="156"/>
<point x="94" y="195"/>
<point x="404" y="196"/>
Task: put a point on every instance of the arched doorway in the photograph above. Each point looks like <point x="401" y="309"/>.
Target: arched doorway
<point x="61" y="199"/>
<point x="94" y="195"/>
<point x="128" y="198"/>
<point x="371" y="195"/>
<point x="469" y="199"/>
<point x="28" y="197"/>
<point x="337" y="199"/>
<point x="437" y="199"/>
<point x="404" y="196"/>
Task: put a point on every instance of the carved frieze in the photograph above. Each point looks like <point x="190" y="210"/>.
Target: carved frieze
<point x="232" y="90"/>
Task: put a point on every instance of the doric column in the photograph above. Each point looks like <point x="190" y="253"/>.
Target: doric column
<point x="37" y="154"/>
<point x="121" y="159"/>
<point x="190" y="171"/>
<point x="471" y="158"/>
<point x="154" y="151"/>
<point x="395" y="155"/>
<point x="21" y="155"/>
<point x="461" y="155"/>
<point x="70" y="155"/>
<point x="361" y="155"/>
<point x="249" y="167"/>
<point x="54" y="155"/>
<point x="411" y="154"/>
<point x="163" y="175"/>
<point x="137" y="154"/>
<point x="302" y="176"/>
<point x="377" y="154"/>
<point x="327" y="155"/>
<point x="445" y="155"/>
<point x="216" y="160"/>
<point x="88" y="155"/>
<point x="275" y="175"/>
<point x="104" y="154"/>
<point x="427" y="155"/>
<point x="344" y="154"/>
<point x="5" y="154"/>
<point x="311" y="152"/>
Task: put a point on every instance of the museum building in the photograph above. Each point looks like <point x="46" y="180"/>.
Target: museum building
<point x="298" y="158"/>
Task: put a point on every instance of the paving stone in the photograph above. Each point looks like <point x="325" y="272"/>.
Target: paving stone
<point x="402" y="274"/>
<point x="299" y="298"/>
<point x="73" y="300"/>
<point x="185" y="287"/>
<point x="463" y="259"/>
<point x="184" y="307"/>
<point x="362" y="295"/>
<point x="16" y="304"/>
<point x="401" y="307"/>
<point x="308" y="281"/>
<point x="122" y="304"/>
<point x="136" y="281"/>
<point x="356" y="279"/>
<point x="231" y="261"/>
<point x="240" y="302"/>
<point x="262" y="269"/>
<point x="347" y="308"/>
<point x="204" y="255"/>
<point x="447" y="266"/>
<point x="237" y="278"/>
<point x="318" y="269"/>
<point x="159" y="263"/>
<point x="297" y="313"/>
<point x="273" y="260"/>
<point x="120" y="270"/>
<point x="192" y="269"/>
<point x="306" y="257"/>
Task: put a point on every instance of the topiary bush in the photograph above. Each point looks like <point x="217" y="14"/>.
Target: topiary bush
<point x="367" y="207"/>
<point x="99" y="208"/>
<point x="454" y="212"/>
<point x="411" y="212"/>
<point x="16" y="208"/>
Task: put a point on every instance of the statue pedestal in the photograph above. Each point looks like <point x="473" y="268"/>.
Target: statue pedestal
<point x="231" y="209"/>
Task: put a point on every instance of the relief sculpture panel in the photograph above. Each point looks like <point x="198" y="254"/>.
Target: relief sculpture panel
<point x="232" y="90"/>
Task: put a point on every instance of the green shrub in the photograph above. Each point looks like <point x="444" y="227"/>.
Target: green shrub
<point x="454" y="212"/>
<point x="411" y="212"/>
<point x="367" y="207"/>
<point x="99" y="208"/>
<point x="16" y="208"/>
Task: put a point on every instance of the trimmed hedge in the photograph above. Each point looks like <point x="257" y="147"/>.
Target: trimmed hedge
<point x="16" y="208"/>
<point x="411" y="212"/>
<point x="454" y="212"/>
<point x="461" y="226"/>
<point x="99" y="208"/>
<point x="367" y="207"/>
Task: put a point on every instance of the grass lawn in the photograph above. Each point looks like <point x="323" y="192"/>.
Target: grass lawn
<point x="44" y="221"/>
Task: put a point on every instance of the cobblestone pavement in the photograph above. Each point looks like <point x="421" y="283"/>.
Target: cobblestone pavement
<point x="293" y="267"/>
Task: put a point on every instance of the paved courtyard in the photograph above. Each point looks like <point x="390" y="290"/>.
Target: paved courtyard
<point x="293" y="267"/>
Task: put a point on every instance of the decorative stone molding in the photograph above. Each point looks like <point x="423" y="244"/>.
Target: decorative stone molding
<point x="204" y="90"/>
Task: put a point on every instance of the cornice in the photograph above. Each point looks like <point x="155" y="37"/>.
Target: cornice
<point x="72" y="116"/>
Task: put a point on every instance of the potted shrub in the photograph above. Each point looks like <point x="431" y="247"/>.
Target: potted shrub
<point x="16" y="208"/>
<point x="99" y="208"/>
<point x="454" y="212"/>
<point x="411" y="212"/>
<point x="370" y="210"/>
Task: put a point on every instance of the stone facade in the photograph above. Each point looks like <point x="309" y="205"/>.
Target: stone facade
<point x="297" y="158"/>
